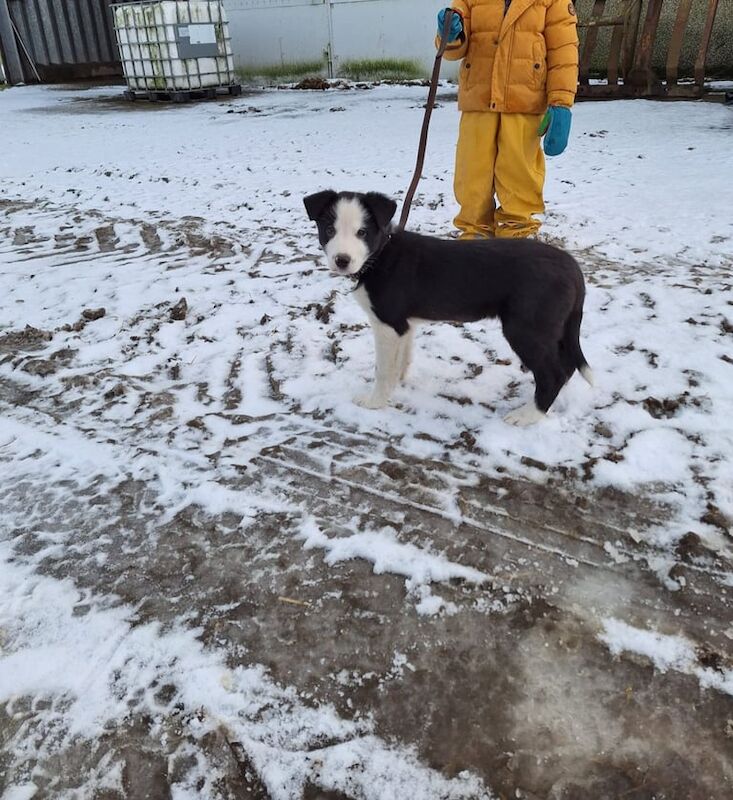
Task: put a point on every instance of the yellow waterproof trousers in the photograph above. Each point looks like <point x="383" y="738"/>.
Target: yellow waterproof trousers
<point x="499" y="154"/>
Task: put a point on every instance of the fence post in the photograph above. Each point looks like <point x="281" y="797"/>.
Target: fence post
<point x="591" y="36"/>
<point x="704" y="44"/>
<point x="632" y="17"/>
<point x="642" y="76"/>
<point x="675" y="42"/>
<point x="330" y="63"/>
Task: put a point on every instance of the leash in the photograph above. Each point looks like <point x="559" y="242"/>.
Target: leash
<point x="426" y="120"/>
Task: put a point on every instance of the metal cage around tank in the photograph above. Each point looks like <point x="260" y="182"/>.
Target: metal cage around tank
<point x="174" y="49"/>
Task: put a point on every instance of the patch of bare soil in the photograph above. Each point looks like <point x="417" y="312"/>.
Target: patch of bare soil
<point x="511" y="681"/>
<point x="28" y="338"/>
<point x="515" y="686"/>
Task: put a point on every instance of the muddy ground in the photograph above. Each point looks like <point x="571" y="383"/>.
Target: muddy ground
<point x="514" y="686"/>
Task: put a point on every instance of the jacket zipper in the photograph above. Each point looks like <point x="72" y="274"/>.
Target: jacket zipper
<point x="508" y="68"/>
<point x="507" y="3"/>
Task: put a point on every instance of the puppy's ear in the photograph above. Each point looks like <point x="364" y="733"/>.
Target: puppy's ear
<point x="380" y="207"/>
<point x="316" y="204"/>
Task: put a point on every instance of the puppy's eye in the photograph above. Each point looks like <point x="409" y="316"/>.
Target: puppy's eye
<point x="330" y="231"/>
<point x="361" y="233"/>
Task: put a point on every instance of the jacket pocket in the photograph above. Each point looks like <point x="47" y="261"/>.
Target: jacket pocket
<point x="539" y="64"/>
<point x="471" y="67"/>
<point x="467" y="71"/>
<point x="476" y="70"/>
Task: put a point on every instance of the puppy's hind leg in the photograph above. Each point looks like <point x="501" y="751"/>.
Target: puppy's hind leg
<point x="388" y="352"/>
<point x="549" y="378"/>
<point x="525" y="415"/>
<point x="549" y="375"/>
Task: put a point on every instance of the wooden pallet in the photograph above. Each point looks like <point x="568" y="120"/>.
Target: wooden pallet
<point x="165" y="96"/>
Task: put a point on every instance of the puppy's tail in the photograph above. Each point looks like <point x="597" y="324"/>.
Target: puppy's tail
<point x="571" y="346"/>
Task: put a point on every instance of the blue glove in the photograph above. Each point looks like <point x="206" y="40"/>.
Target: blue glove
<point x="555" y="127"/>
<point x="456" y="25"/>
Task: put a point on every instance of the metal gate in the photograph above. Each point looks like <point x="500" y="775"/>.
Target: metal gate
<point x="629" y="70"/>
<point x="333" y="32"/>
<point x="53" y="40"/>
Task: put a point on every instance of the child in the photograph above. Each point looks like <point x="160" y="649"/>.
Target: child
<point x="520" y="62"/>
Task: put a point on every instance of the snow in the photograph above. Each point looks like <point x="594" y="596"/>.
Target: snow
<point x="387" y="554"/>
<point x="20" y="792"/>
<point x="633" y="184"/>
<point x="132" y="210"/>
<point x="665" y="651"/>
<point x="653" y="455"/>
<point x="105" y="665"/>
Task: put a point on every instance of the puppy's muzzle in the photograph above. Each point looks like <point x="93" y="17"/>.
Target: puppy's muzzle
<point x="342" y="261"/>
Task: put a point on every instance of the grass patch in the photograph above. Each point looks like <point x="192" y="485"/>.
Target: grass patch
<point x="282" y="73"/>
<point x="381" y="69"/>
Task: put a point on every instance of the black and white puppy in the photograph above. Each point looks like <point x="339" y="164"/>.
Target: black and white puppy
<point x="402" y="278"/>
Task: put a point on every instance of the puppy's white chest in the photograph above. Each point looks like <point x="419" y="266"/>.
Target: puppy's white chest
<point x="362" y="298"/>
<point x="380" y="328"/>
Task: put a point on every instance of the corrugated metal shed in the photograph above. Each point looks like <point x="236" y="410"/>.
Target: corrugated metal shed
<point x="56" y="40"/>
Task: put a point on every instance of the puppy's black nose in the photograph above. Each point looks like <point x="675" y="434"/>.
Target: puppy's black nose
<point x="342" y="261"/>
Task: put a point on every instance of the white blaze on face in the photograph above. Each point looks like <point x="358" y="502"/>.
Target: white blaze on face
<point x="350" y="218"/>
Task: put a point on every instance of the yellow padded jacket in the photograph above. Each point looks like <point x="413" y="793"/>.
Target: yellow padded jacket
<point x="521" y="61"/>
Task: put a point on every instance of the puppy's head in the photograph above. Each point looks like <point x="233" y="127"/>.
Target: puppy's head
<point x="351" y="227"/>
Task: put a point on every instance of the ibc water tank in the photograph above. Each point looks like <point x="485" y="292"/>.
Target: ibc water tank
<point x="174" y="47"/>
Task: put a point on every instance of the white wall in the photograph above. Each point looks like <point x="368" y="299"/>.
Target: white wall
<point x="269" y="32"/>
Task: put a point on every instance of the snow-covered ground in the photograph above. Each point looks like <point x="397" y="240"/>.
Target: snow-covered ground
<point x="176" y="371"/>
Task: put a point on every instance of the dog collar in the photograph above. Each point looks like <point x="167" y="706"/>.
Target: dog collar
<point x="369" y="263"/>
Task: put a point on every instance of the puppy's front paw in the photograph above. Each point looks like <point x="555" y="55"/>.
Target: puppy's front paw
<point x="524" y="415"/>
<point x="370" y="401"/>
